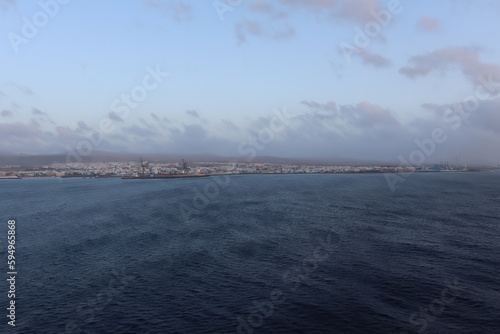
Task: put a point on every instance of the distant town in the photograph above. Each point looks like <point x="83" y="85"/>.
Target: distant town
<point x="145" y="169"/>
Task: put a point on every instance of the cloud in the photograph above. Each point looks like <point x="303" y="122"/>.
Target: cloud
<point x="256" y="29"/>
<point x="67" y="134"/>
<point x="428" y="24"/>
<point x="144" y="122"/>
<point x="195" y="132"/>
<point x="273" y="22"/>
<point x="484" y="118"/>
<point x="29" y="138"/>
<point x="487" y="117"/>
<point x="466" y="59"/>
<point x="6" y="4"/>
<point x="247" y="27"/>
<point x="35" y="124"/>
<point x="156" y="118"/>
<point x="361" y="115"/>
<point x="83" y="126"/>
<point x="178" y="11"/>
<point x="367" y="131"/>
<point x="140" y="131"/>
<point x="38" y="112"/>
<point x="285" y="33"/>
<point x="6" y="113"/>
<point x="193" y="113"/>
<point x="329" y="106"/>
<point x="361" y="131"/>
<point x="313" y="5"/>
<point x="266" y="8"/>
<point x="360" y="11"/>
<point x="429" y="106"/>
<point x="373" y="59"/>
<point x="324" y="126"/>
<point x="114" y="117"/>
<point x="261" y="6"/>
<point x="366" y="114"/>
<point x="18" y="130"/>
<point x="472" y="135"/>
<point x="196" y="139"/>
<point x="348" y="119"/>
<point x="323" y="129"/>
<point x="23" y="89"/>
<point x="228" y="125"/>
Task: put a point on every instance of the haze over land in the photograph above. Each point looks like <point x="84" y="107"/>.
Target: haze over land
<point x="335" y="80"/>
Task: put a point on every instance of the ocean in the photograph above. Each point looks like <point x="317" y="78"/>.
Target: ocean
<point x="329" y="253"/>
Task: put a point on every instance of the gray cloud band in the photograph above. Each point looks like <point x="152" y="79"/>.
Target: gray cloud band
<point x="119" y="110"/>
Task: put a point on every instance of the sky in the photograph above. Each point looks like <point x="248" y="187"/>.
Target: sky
<point x="407" y="81"/>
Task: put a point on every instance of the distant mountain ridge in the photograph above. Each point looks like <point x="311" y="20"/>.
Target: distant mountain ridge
<point x="101" y="156"/>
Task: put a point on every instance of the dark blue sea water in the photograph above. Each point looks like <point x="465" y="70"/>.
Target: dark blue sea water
<point x="255" y="254"/>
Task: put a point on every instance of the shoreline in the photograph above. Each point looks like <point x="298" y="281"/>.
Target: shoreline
<point x="229" y="174"/>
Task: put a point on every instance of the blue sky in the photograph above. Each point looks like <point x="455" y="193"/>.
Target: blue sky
<point x="228" y="71"/>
